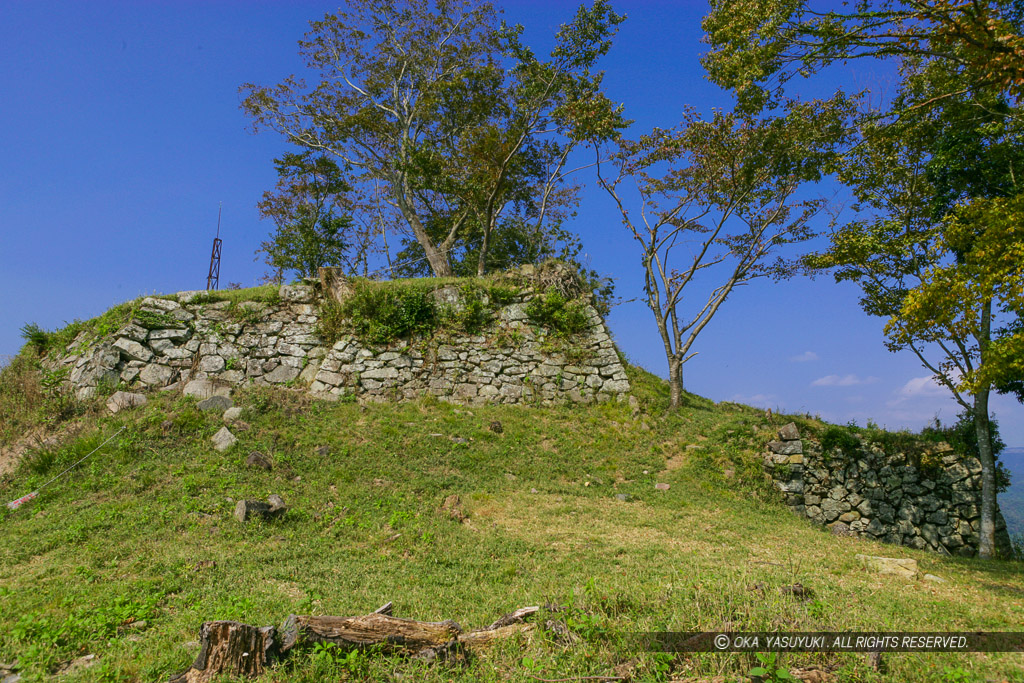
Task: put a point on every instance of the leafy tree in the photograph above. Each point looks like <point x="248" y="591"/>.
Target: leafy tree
<point x="725" y="192"/>
<point x="934" y="242"/>
<point x="939" y="252"/>
<point x="309" y="232"/>
<point x="757" y="46"/>
<point x="415" y="99"/>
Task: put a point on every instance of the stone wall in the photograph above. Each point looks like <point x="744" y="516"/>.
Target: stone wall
<point x="928" y="499"/>
<point x="176" y="339"/>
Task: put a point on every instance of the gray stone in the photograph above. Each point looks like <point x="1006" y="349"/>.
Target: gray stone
<point x="162" y="305"/>
<point x="282" y="374"/>
<point x="223" y="439"/>
<point x="211" y="364"/>
<point x="133" y="349"/>
<point x="786" y="447"/>
<point x="123" y="400"/>
<point x="257" y="459"/>
<point x="232" y="414"/>
<point x="296" y="293"/>
<point x="218" y="403"/>
<point x="174" y="334"/>
<point x="156" y="375"/>
<point x="204" y="388"/>
<point x="789" y="432"/>
<point x="133" y="332"/>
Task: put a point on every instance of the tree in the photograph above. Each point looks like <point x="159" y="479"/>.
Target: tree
<point x="939" y="251"/>
<point x="933" y="172"/>
<point x="726" y="189"/>
<point x="309" y="231"/>
<point x="416" y="101"/>
<point x="758" y="46"/>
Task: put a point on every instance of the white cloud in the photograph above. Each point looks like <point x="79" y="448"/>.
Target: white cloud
<point x="842" y="381"/>
<point x="921" y="388"/>
<point x="805" y="357"/>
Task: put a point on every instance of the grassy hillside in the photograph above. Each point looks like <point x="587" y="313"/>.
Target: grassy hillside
<point x="143" y="532"/>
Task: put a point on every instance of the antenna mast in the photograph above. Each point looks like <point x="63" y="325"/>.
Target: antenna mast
<point x="213" y="278"/>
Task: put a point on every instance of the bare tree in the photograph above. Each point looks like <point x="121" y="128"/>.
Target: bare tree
<point x="725" y="190"/>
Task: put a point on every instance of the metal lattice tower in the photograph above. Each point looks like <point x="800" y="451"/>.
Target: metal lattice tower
<point x="213" y="278"/>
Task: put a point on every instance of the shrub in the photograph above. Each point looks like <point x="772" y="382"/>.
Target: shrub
<point x="564" y="317"/>
<point x="36" y="336"/>
<point x="382" y="313"/>
<point x="837" y="438"/>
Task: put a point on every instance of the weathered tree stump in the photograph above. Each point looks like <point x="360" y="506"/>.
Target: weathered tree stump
<point x="369" y="629"/>
<point x="231" y="648"/>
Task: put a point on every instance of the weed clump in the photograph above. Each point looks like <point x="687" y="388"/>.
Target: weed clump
<point x="563" y="316"/>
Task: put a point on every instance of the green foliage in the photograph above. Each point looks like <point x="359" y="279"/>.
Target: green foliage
<point x="562" y="316"/>
<point x="152" y="320"/>
<point x="309" y="233"/>
<point x="770" y="670"/>
<point x="36" y="336"/>
<point x="840" y="438"/>
<point x="473" y="167"/>
<point x="382" y="313"/>
<point x="268" y="294"/>
<point x="962" y="435"/>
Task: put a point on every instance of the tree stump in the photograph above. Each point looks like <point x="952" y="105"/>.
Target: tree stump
<point x="231" y="648"/>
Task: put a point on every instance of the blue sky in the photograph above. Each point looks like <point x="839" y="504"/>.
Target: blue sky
<point x="120" y="134"/>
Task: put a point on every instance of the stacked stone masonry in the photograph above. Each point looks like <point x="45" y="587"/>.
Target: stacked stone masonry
<point x="884" y="496"/>
<point x="260" y="343"/>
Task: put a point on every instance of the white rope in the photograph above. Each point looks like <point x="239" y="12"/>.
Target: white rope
<point x="15" y="504"/>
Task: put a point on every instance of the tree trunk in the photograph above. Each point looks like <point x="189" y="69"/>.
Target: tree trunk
<point x="439" y="262"/>
<point x="485" y="243"/>
<point x="232" y="648"/>
<point x="369" y="629"/>
<point x="987" y="542"/>
<point x="675" y="383"/>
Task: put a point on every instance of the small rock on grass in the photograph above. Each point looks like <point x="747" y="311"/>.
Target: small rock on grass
<point x="123" y="400"/>
<point x="662" y="487"/>
<point x="223" y="439"/>
<point x="219" y="403"/>
<point x="232" y="414"/>
<point x="247" y="509"/>
<point x="624" y="497"/>
<point x="903" y="567"/>
<point x="257" y="459"/>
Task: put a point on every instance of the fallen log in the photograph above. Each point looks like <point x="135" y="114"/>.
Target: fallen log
<point x="366" y="630"/>
<point x="231" y="648"/>
<point x="245" y="651"/>
<point x="485" y="637"/>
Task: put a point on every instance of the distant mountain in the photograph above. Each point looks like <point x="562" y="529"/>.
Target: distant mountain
<point x="1012" y="501"/>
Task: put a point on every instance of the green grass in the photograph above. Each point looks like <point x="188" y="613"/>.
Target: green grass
<point x="263" y="293"/>
<point x="143" y="530"/>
